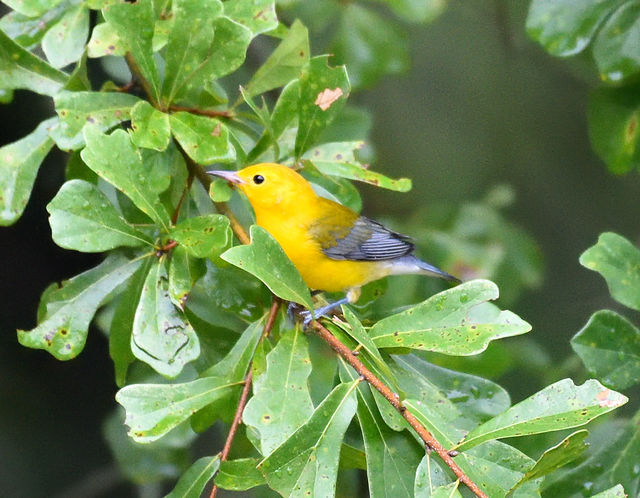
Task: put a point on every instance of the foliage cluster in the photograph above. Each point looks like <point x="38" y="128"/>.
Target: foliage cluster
<point x="191" y="315"/>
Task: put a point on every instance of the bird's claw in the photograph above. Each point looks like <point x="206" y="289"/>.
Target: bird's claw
<point x="307" y="317"/>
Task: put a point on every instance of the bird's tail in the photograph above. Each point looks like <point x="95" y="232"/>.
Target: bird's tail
<point x="411" y="264"/>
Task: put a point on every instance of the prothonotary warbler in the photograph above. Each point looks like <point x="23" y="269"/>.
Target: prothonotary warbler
<point x="334" y="248"/>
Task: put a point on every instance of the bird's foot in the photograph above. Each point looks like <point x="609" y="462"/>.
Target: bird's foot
<point x="308" y="316"/>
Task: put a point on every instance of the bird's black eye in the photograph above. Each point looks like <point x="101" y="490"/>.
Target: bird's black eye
<point x="258" y="179"/>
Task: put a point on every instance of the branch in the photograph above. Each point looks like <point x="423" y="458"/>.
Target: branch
<point x="271" y="319"/>
<point x="136" y="76"/>
<point x="202" y="112"/>
<point x="394" y="400"/>
<point x="222" y="207"/>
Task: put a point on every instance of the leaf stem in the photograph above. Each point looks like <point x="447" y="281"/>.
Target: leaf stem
<point x="394" y="400"/>
<point x="137" y="77"/>
<point x="271" y="319"/>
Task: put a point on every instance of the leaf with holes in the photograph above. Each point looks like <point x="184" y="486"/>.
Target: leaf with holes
<point x="149" y="127"/>
<point x="609" y="346"/>
<point x="63" y="330"/>
<point x="117" y="160"/>
<point x="206" y="140"/>
<point x="161" y="336"/>
<point x="458" y="321"/>
<point x="338" y="159"/>
<point x="282" y="386"/>
<point x="307" y="462"/>
<point x="562" y="405"/>
<point x="63" y="44"/>
<point x="78" y="110"/>
<point x="323" y="93"/>
<point x="20" y="69"/>
<point x="203" y="236"/>
<point x="134" y="24"/>
<point x="82" y="218"/>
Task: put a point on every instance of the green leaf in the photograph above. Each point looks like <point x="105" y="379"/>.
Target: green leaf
<point x="19" y="164"/>
<point x="265" y="259"/>
<point x="149" y="127"/>
<point x="184" y="271"/>
<point x="420" y="11"/>
<point x="219" y="191"/>
<point x="259" y="16"/>
<point x="323" y="93"/>
<point x="566" y="451"/>
<point x="122" y="322"/>
<point x="561" y="405"/>
<point x="80" y="110"/>
<point x="83" y="218"/>
<point x="306" y="464"/>
<point x="117" y="160"/>
<point x="20" y="69"/>
<point x="369" y="45"/>
<point x="614" y="131"/>
<point x="281" y="402"/>
<point x="239" y="475"/>
<point x="448" y="491"/>
<point x="429" y="477"/>
<point x="32" y="8"/>
<point x="192" y="482"/>
<point x="206" y="140"/>
<point x="64" y="42"/>
<point x="337" y="159"/>
<point x="564" y="27"/>
<point x="155" y="409"/>
<point x="70" y="309"/>
<point x="188" y="44"/>
<point x="616" y="47"/>
<point x="392" y="457"/>
<point x="134" y="23"/>
<point x="618" y="261"/>
<point x="105" y="41"/>
<point x="609" y="346"/>
<point x="223" y="54"/>
<point x="457" y="321"/>
<point x="162" y="337"/>
<point x="462" y="399"/>
<point x="284" y="64"/>
<point x="147" y="463"/>
<point x="28" y="31"/>
<point x="230" y="370"/>
<point x="203" y="236"/>
<point x="615" y="492"/>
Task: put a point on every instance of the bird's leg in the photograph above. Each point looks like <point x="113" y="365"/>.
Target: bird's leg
<point x="351" y="297"/>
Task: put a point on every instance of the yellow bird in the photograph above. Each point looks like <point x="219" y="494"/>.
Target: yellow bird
<point x="334" y="248"/>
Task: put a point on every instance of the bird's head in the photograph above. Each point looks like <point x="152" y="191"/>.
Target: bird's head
<point x="269" y="186"/>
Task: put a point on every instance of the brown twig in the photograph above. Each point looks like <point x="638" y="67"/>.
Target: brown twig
<point x="394" y="400"/>
<point x="237" y="418"/>
<point x="136" y="76"/>
<point x="211" y="113"/>
<point x="222" y="207"/>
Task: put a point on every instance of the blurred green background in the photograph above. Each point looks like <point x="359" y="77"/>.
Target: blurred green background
<point x="480" y="106"/>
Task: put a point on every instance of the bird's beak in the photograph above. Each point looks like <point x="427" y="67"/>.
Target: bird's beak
<point x="230" y="176"/>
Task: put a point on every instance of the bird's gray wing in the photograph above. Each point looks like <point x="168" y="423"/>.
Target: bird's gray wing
<point x="367" y="240"/>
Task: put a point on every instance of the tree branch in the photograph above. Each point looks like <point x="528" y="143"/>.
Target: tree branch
<point x="136" y="76"/>
<point x="202" y="112"/>
<point x="394" y="400"/>
<point x="271" y="319"/>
